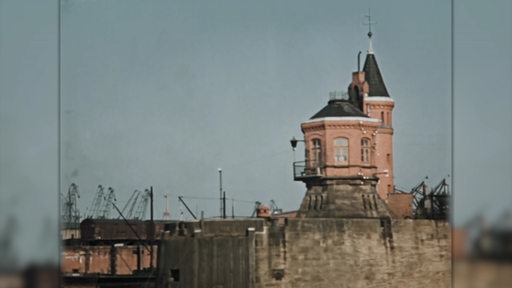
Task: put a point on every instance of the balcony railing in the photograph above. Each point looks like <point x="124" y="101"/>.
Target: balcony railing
<point x="307" y="169"/>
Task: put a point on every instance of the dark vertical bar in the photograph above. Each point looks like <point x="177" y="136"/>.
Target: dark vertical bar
<point x="359" y="61"/>
<point x="152" y="232"/>
<point x="59" y="139"/>
<point x="224" y="205"/>
<point x="113" y="256"/>
<point x="137" y="251"/>
<point x="220" y="191"/>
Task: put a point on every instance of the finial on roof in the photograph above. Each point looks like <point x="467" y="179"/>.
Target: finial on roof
<point x="369" y="23"/>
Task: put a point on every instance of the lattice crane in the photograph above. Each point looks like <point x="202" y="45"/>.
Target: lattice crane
<point x="95" y="211"/>
<point x="130" y="205"/>
<point x="140" y="213"/>
<point x="71" y="215"/>
<point x="107" y="207"/>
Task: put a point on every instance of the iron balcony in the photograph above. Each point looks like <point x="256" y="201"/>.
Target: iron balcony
<point x="307" y="169"/>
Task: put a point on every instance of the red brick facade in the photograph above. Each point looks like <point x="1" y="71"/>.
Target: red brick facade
<point x="97" y="259"/>
<point x="401" y="204"/>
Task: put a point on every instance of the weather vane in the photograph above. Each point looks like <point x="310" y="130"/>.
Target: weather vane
<point x="369" y="23"/>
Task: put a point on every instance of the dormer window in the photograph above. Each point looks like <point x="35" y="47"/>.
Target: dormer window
<point x="341" y="151"/>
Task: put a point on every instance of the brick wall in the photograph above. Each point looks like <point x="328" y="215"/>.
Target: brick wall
<point x="96" y="259"/>
<point x="400" y="204"/>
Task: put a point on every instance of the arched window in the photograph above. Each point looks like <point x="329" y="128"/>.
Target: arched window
<point x="341" y="151"/>
<point x="316" y="155"/>
<point x="365" y="151"/>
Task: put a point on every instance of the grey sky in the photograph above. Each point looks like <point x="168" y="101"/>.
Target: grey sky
<point x="482" y="136"/>
<point x="163" y="93"/>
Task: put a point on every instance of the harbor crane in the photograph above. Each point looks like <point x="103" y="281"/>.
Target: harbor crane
<point x="107" y="207"/>
<point x="96" y="203"/>
<point x="71" y="214"/>
<point x="140" y="213"/>
<point x="130" y="205"/>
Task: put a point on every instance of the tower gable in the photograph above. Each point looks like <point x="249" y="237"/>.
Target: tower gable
<point x="373" y="77"/>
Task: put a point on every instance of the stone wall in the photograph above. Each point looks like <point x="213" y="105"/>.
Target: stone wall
<point x="312" y="253"/>
<point x="343" y="197"/>
<point x="361" y="253"/>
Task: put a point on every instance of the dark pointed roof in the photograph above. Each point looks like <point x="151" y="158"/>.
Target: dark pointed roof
<point x="373" y="77"/>
<point x="339" y="108"/>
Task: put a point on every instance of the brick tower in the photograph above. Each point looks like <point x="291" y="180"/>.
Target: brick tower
<point x="368" y="93"/>
<point x="348" y="167"/>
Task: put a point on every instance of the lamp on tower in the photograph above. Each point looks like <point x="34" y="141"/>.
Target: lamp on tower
<point x="294" y="142"/>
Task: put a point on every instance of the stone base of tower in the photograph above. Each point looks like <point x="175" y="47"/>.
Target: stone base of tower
<point x="342" y="197"/>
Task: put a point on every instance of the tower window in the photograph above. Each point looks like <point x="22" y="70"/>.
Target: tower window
<point x="341" y="150"/>
<point x="175" y="275"/>
<point x="365" y="150"/>
<point x="382" y="117"/>
<point x="316" y="159"/>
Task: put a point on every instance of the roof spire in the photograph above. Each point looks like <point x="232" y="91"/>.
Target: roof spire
<point x="369" y="23"/>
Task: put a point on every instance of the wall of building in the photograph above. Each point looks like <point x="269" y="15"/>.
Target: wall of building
<point x="97" y="259"/>
<point x="217" y="253"/>
<point x="354" y="131"/>
<point x="401" y="204"/>
<point x="460" y="243"/>
<point x="313" y="253"/>
<point x="353" y="197"/>
<point x="117" y="229"/>
<point x="384" y="161"/>
<point x="360" y="253"/>
<point x="70" y="234"/>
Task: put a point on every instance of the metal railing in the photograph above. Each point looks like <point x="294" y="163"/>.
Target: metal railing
<point x="305" y="169"/>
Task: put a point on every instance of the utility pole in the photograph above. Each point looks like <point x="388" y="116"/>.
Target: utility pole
<point x="220" y="191"/>
<point x="224" y="205"/>
<point x="152" y="232"/>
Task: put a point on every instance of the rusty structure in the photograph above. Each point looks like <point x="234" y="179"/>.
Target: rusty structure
<point x="430" y="203"/>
